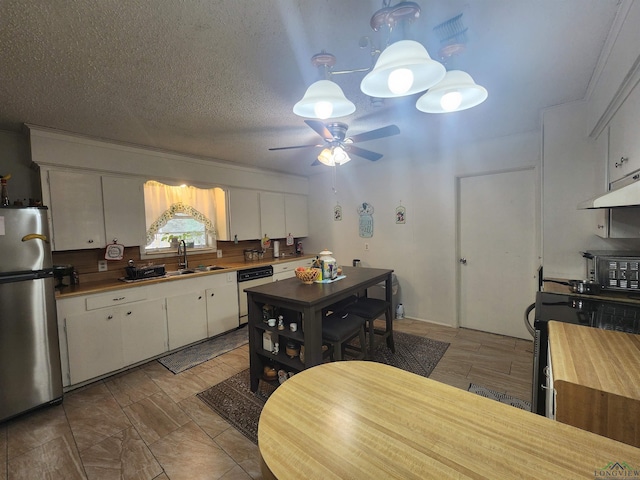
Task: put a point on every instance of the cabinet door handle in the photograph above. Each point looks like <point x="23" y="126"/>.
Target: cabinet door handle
<point x="109" y="317"/>
<point x="212" y="294"/>
<point x="90" y="240"/>
<point x="622" y="160"/>
<point x="119" y="299"/>
<point x="200" y="297"/>
<point x="128" y="313"/>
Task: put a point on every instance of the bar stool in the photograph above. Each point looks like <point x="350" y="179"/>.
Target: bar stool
<point x="338" y="329"/>
<point x="370" y="309"/>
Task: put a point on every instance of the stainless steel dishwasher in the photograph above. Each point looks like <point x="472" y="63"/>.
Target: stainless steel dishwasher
<point x="251" y="277"/>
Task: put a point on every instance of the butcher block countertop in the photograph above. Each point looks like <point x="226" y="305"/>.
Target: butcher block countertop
<point x="110" y="285"/>
<point x="596" y="376"/>
<point x="366" y="420"/>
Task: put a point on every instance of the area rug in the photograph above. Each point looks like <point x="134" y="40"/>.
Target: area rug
<point x="500" y="397"/>
<point x="195" y="355"/>
<point x="234" y="401"/>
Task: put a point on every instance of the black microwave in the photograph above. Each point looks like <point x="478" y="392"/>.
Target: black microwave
<point x="614" y="271"/>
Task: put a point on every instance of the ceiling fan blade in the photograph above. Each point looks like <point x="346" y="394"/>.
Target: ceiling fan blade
<point x="361" y="152"/>
<point x="320" y="128"/>
<point x="377" y="133"/>
<point x="295" y="146"/>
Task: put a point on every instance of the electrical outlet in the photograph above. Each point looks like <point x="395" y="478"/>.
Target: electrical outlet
<point x="219" y="253"/>
<point x="230" y="277"/>
<point x="102" y="266"/>
<point x="366" y="246"/>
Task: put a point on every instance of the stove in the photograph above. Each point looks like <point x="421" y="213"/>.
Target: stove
<point x="616" y="313"/>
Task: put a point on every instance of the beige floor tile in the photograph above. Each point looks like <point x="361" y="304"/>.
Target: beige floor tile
<point x="219" y="373"/>
<point x="93" y="393"/>
<point x="94" y="422"/>
<point x="180" y="386"/>
<point x="212" y="423"/>
<point x="241" y="449"/>
<point x="132" y="386"/>
<point x="238" y="473"/>
<point x="55" y="459"/>
<point x="35" y="429"/>
<point x="190" y="454"/>
<point x="123" y="455"/>
<point x="156" y="416"/>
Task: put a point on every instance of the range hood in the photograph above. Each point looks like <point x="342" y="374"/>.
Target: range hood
<point x="623" y="193"/>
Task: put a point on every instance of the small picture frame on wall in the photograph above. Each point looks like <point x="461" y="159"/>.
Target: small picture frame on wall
<point x="337" y="213"/>
<point x="401" y="214"/>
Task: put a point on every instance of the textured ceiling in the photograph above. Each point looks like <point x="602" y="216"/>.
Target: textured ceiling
<point x="219" y="78"/>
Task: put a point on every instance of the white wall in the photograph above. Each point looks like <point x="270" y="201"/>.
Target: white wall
<point x="422" y="252"/>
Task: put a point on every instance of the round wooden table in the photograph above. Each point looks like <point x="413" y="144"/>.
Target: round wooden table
<point x="366" y="420"/>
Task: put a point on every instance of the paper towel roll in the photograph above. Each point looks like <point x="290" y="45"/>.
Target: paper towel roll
<point x="276" y="248"/>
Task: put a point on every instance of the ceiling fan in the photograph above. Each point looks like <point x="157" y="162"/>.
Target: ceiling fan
<point x="334" y="135"/>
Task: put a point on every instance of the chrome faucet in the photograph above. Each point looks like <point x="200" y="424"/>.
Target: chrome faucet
<point x="182" y="254"/>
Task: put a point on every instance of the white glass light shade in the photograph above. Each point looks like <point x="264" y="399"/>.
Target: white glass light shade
<point x="326" y="157"/>
<point x="333" y="156"/>
<point x="324" y="99"/>
<point x="405" y="54"/>
<point x="454" y="81"/>
<point x="340" y="156"/>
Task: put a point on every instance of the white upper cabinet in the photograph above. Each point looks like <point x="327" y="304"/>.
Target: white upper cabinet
<point x="296" y="215"/>
<point x="624" y="140"/>
<point x="253" y="214"/>
<point x="272" y="218"/>
<point x="89" y="210"/>
<point x="76" y="210"/>
<point x="123" y="199"/>
<point x="244" y="214"/>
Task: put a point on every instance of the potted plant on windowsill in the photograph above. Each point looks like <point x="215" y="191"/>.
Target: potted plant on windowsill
<point x="174" y="239"/>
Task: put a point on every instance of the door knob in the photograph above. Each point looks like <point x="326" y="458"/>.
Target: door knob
<point x="463" y="261"/>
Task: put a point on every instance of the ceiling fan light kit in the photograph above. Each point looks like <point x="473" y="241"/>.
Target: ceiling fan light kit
<point x="403" y="68"/>
<point x="455" y="82"/>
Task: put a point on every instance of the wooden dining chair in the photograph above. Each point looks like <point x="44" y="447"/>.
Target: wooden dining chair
<point x="338" y="329"/>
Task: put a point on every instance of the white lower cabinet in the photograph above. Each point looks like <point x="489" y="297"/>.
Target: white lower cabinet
<point x="106" y="332"/>
<point x="107" y="339"/>
<point x="222" y="309"/>
<point x="94" y="342"/>
<point x="286" y="270"/>
<point x="186" y="318"/>
<point x="144" y="331"/>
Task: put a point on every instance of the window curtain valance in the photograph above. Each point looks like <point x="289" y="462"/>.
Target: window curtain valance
<point x="163" y="201"/>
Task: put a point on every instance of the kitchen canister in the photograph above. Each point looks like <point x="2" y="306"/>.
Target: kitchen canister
<point x="328" y="265"/>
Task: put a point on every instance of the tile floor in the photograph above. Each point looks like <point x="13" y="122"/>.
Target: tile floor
<point x="147" y="423"/>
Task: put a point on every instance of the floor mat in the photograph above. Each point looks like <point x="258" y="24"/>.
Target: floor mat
<point x="500" y="397"/>
<point x="195" y="355"/>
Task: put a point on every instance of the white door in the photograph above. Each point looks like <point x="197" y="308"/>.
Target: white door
<point x="498" y="264"/>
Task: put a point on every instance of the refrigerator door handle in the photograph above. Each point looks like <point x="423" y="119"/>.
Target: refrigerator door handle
<point x="35" y="236"/>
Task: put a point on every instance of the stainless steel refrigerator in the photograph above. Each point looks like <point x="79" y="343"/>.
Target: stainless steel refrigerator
<point x="30" y="372"/>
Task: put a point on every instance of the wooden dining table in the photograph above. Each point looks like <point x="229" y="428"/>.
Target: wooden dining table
<point x="304" y="304"/>
<point x="366" y="420"/>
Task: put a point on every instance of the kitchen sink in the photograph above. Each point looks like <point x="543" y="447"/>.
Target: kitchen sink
<point x="182" y="271"/>
<point x="215" y="267"/>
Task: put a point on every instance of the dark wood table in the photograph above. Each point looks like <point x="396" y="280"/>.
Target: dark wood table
<point x="303" y="304"/>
